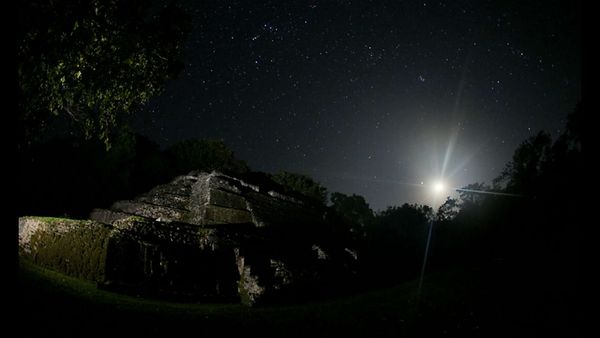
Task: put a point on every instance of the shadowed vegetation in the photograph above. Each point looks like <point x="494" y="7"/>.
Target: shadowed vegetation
<point x="456" y="302"/>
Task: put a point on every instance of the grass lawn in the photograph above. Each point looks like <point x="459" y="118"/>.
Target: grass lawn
<point x="455" y="302"/>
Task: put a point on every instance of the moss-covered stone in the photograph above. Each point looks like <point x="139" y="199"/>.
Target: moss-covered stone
<point x="74" y="247"/>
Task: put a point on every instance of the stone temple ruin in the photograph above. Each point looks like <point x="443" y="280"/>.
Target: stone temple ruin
<point x="203" y="236"/>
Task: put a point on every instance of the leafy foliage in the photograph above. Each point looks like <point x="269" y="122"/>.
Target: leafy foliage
<point x="449" y="210"/>
<point x="93" y="61"/>
<point x="353" y="209"/>
<point x="205" y="155"/>
<point x="529" y="161"/>
<point x="471" y="193"/>
<point x="302" y="184"/>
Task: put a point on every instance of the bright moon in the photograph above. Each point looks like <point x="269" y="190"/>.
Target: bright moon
<point x="439" y="187"/>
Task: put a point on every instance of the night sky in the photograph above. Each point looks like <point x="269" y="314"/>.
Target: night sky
<point x="373" y="97"/>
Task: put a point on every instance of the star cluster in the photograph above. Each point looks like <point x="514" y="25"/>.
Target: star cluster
<point x="368" y="97"/>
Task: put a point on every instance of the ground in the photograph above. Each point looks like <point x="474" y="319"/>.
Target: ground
<point x="461" y="302"/>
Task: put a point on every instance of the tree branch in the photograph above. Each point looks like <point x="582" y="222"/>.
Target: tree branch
<point x="68" y="110"/>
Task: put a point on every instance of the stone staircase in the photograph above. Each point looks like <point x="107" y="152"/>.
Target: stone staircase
<point x="211" y="198"/>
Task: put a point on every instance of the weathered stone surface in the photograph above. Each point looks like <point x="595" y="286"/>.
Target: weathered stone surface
<point x="268" y="211"/>
<point x="250" y="288"/>
<point x="212" y="214"/>
<point x="74" y="247"/>
<point x="226" y="199"/>
<point x="203" y="235"/>
<point x="151" y="211"/>
<point x="170" y="233"/>
<point x="107" y="216"/>
<point x="166" y="200"/>
<point x="213" y="198"/>
<point x="181" y="185"/>
<point x="172" y="259"/>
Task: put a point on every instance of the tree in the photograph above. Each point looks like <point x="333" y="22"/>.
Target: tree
<point x="205" y="155"/>
<point x="449" y="210"/>
<point x="540" y="222"/>
<point x="302" y="184"/>
<point x="571" y="140"/>
<point x="93" y="62"/>
<point x="353" y="209"/>
<point x="395" y="242"/>
<point x="473" y="194"/>
<point x="529" y="161"/>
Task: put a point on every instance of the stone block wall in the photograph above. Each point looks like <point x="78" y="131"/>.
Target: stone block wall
<point x="74" y="247"/>
<point x="202" y="236"/>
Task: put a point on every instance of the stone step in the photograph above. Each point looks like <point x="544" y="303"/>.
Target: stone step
<point x="181" y="187"/>
<point x="226" y="199"/>
<point x="107" y="216"/>
<point x="166" y="200"/>
<point x="268" y="211"/>
<point x="153" y="211"/>
<point x="211" y="214"/>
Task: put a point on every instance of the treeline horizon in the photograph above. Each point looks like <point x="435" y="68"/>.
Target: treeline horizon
<point x="135" y="164"/>
<point x="68" y="177"/>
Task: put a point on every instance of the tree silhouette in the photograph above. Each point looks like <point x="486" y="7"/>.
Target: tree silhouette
<point x="529" y="162"/>
<point x="395" y="242"/>
<point x="354" y="209"/>
<point x="473" y="193"/>
<point x="537" y="229"/>
<point x="302" y="184"/>
<point x="204" y="155"/>
<point x="449" y="210"/>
